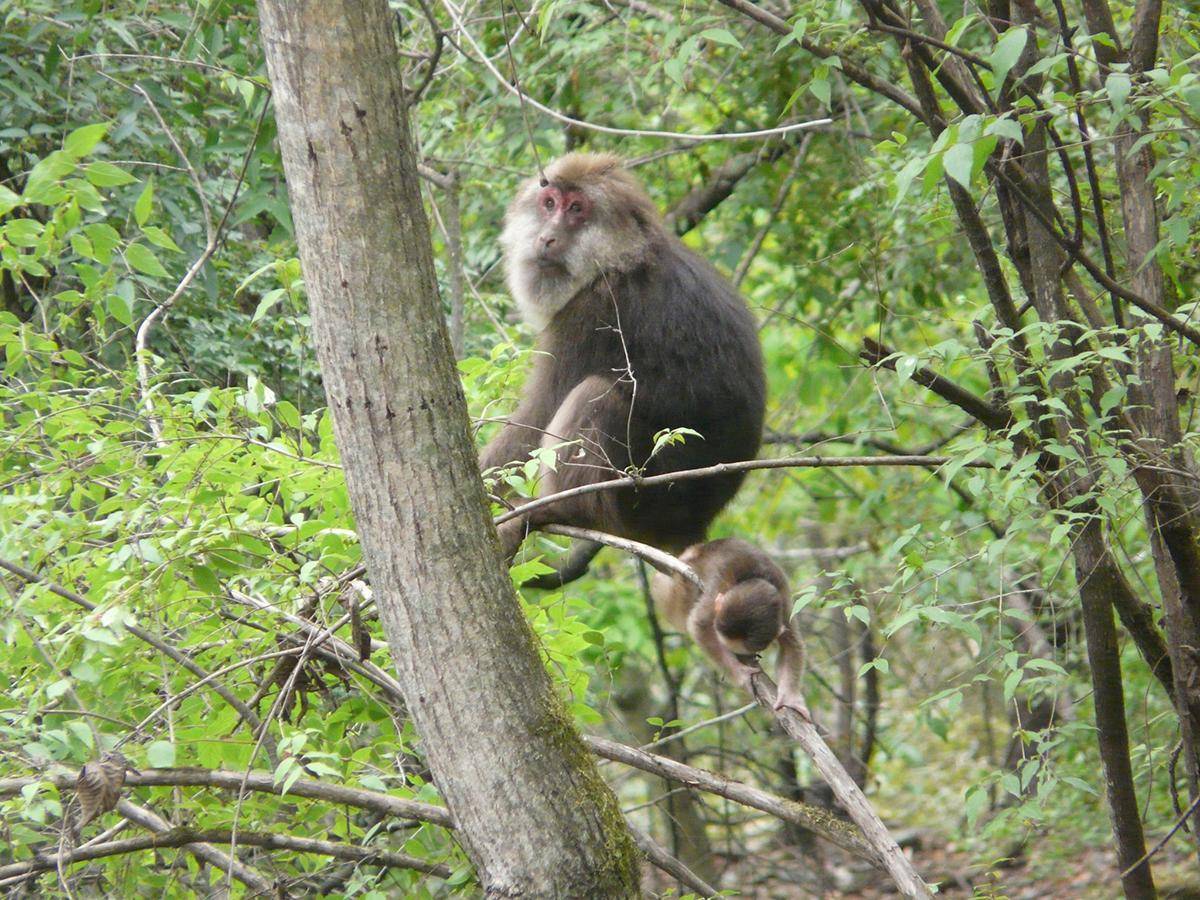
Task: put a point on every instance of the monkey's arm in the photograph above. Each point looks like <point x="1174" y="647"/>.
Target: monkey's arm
<point x="523" y="432"/>
<point x="702" y="627"/>
<point x="791" y="673"/>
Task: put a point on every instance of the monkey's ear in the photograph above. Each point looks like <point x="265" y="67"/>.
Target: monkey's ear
<point x="542" y="182"/>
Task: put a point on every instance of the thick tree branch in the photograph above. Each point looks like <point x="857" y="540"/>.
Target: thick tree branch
<point x="694" y="206"/>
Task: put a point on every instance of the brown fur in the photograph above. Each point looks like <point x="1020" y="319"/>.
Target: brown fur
<point x="744" y="608"/>
<point x="638" y="334"/>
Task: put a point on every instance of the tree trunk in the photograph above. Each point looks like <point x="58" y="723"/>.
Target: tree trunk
<point x="532" y="811"/>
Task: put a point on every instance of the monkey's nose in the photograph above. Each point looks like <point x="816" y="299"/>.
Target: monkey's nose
<point x="546" y="242"/>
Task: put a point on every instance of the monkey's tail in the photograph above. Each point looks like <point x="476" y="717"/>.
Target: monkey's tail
<point x="574" y="566"/>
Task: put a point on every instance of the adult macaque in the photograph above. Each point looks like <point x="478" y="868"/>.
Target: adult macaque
<point x="745" y="606"/>
<point x="638" y="335"/>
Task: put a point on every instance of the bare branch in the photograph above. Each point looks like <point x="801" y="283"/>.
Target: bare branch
<point x="183" y="837"/>
<point x="664" y="562"/>
<point x="199" y="847"/>
<point x="815" y="819"/>
<point x="669" y="864"/>
<point x="261" y="782"/>
<point x="784" y="462"/>
<point x="846" y="790"/>
<point x="696" y="204"/>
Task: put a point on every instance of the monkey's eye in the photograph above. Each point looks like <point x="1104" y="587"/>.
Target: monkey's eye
<point x="548" y="203"/>
<point x="575" y="207"/>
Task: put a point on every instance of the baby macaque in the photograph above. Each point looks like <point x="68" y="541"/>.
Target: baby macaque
<point x="745" y="606"/>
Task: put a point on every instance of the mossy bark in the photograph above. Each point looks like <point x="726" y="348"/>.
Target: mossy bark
<point x="531" y="809"/>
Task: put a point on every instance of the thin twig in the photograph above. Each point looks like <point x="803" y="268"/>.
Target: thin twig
<point x="1166" y="837"/>
<point x="516" y="91"/>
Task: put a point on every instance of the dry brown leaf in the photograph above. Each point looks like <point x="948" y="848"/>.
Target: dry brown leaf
<point x="99" y="786"/>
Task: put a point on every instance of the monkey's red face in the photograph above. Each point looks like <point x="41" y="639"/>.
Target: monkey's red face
<point x="563" y="214"/>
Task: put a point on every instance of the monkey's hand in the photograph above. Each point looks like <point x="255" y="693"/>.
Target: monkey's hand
<point x="790" y="698"/>
<point x="742" y="674"/>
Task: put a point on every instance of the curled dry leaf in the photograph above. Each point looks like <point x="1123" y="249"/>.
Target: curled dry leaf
<point x="99" y="786"/>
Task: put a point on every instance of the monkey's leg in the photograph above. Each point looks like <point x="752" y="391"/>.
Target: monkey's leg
<point x="574" y="435"/>
<point x="791" y="673"/>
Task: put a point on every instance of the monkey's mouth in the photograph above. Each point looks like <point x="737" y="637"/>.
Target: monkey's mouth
<point x="546" y="261"/>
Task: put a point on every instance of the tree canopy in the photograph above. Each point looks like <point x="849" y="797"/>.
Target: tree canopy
<point x="979" y="264"/>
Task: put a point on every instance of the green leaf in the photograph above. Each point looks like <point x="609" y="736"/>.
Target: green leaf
<point x="1118" y="85"/>
<point x="958" y="161"/>
<point x="1010" y="684"/>
<point x="23" y="232"/>
<point x="287" y="414"/>
<point x="904" y="178"/>
<point x="42" y="185"/>
<point x="905" y="366"/>
<point x="161" y="754"/>
<point x="819" y="88"/>
<point x="270" y="298"/>
<point x="957" y="29"/>
<point x="160" y="238"/>
<point x="144" y="204"/>
<point x="721" y="36"/>
<point x="975" y="804"/>
<point x="103" y="174"/>
<point x="1007" y="52"/>
<point x="118" y="307"/>
<point x="8" y="200"/>
<point x="1007" y="128"/>
<point x="141" y="259"/>
<point x="82" y="141"/>
<point x="105" y="240"/>
<point x="674" y="68"/>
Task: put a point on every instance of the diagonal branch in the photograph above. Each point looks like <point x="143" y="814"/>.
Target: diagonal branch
<point x="814" y="818"/>
<point x="694" y="206"/>
<point x="852" y="70"/>
<point x="994" y="417"/>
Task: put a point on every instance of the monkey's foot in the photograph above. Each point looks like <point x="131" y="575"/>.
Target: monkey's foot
<point x="793" y="701"/>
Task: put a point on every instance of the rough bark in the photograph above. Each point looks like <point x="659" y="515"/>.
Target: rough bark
<point x="1096" y="582"/>
<point x="531" y="809"/>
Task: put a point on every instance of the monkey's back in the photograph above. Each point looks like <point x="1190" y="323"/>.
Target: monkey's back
<point x="726" y="561"/>
<point x="692" y="349"/>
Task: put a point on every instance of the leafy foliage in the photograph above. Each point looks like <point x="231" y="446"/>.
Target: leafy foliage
<point x="191" y="490"/>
